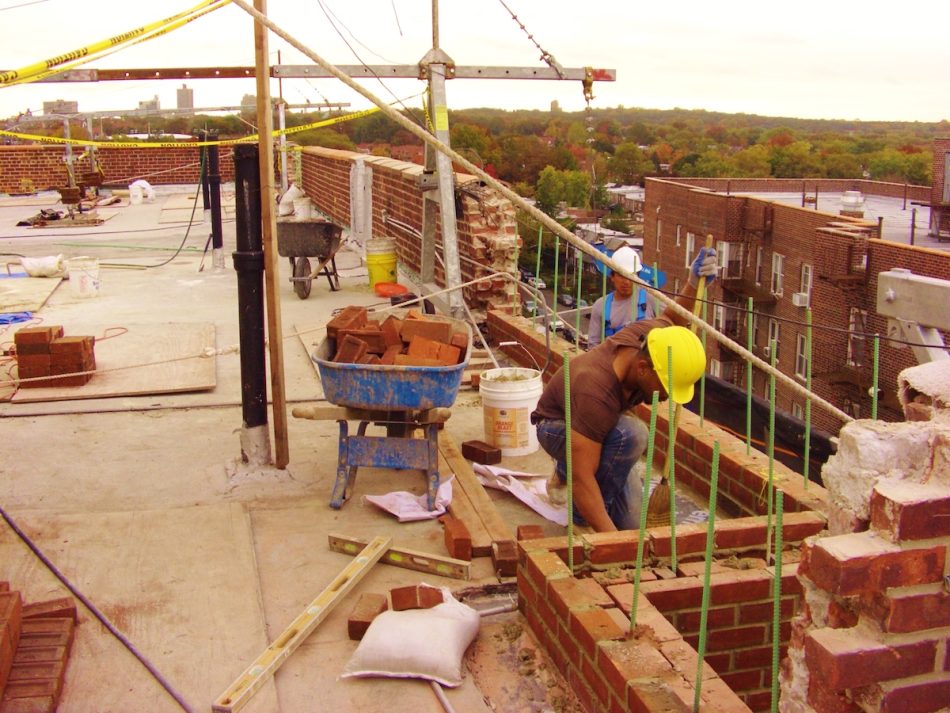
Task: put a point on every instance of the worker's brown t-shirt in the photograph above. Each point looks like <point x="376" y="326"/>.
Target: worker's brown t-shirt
<point x="597" y="400"/>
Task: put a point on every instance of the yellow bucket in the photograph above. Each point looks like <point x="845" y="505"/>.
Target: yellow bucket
<point x="381" y="260"/>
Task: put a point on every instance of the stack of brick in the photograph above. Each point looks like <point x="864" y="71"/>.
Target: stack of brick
<point x="45" y="357"/>
<point x="874" y="634"/>
<point x="34" y="649"/>
<point x="416" y="340"/>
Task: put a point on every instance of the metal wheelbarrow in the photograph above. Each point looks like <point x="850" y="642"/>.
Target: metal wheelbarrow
<point x="401" y="398"/>
<point x="300" y="240"/>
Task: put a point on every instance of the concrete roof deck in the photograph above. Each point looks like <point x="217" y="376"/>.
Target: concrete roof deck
<point x="144" y="504"/>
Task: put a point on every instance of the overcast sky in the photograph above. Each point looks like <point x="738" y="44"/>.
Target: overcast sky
<point x="810" y="59"/>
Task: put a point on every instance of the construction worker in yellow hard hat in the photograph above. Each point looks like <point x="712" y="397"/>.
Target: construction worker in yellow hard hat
<point x="624" y="304"/>
<point x="605" y="382"/>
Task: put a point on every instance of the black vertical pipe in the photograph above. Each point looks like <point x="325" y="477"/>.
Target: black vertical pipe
<point x="203" y="162"/>
<point x="249" y="264"/>
<point x="214" y="183"/>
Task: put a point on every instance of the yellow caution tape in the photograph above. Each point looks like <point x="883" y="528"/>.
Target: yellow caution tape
<point x="36" y="138"/>
<point x="164" y="30"/>
<point x="97" y="47"/>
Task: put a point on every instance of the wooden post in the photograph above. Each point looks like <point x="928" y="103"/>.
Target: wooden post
<point x="265" y="142"/>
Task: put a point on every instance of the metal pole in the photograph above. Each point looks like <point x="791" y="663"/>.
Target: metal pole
<point x="282" y="120"/>
<point x="249" y="265"/>
<point x="69" y="156"/>
<point x="214" y="191"/>
<point x="913" y="224"/>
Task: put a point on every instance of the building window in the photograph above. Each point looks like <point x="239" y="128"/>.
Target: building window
<point x="676" y="287"/>
<point x="774" y="330"/>
<point x="758" y="266"/>
<point x="778" y="269"/>
<point x="755" y="329"/>
<point x="806" y="281"/>
<point x="801" y="357"/>
<point x="730" y="258"/>
<point x="797" y="411"/>
<point x="857" y="341"/>
<point x="679" y="234"/>
<point x="659" y="232"/>
<point x="690" y="248"/>
<point x="719" y="318"/>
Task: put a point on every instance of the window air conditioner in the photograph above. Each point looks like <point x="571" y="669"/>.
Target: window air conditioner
<point x="800" y="299"/>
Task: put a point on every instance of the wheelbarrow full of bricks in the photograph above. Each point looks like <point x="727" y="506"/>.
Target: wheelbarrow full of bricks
<point x="390" y="391"/>
<point x="300" y="240"/>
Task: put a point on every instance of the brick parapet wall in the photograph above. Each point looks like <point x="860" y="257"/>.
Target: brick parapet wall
<point x="582" y="617"/>
<point x="941" y="149"/>
<point x="44" y="166"/>
<point x="810" y="185"/>
<point x="743" y="478"/>
<point x="487" y="231"/>
<point x="874" y="633"/>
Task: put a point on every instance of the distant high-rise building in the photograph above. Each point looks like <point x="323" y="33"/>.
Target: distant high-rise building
<point x="61" y="106"/>
<point x="555" y="106"/>
<point x="186" y="97"/>
<point x="150" y="104"/>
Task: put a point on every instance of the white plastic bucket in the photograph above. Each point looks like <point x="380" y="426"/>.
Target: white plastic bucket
<point x="509" y="395"/>
<point x="136" y="194"/>
<point x="83" y="273"/>
<point x="302" y="208"/>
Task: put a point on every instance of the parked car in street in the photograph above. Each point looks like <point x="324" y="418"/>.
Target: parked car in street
<point x="537" y="282"/>
<point x="566" y="299"/>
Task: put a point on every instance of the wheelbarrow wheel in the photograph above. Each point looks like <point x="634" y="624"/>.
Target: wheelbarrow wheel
<point x="302" y="269"/>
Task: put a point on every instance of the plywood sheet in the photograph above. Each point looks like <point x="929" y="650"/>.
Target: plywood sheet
<point x="26" y="294"/>
<point x="148" y="359"/>
<point x="180" y="583"/>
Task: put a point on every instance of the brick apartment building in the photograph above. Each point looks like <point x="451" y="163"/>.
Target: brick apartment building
<point x="786" y="257"/>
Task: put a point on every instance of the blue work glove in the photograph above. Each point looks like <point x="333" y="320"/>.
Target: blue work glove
<point x="705" y="265"/>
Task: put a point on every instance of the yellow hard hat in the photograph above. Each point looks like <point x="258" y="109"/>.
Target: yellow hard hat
<point x="689" y="360"/>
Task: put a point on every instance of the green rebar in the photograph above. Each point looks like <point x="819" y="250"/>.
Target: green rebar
<point x="577" y="300"/>
<point x="748" y="380"/>
<point x="710" y="538"/>
<point x="671" y="455"/>
<point x="874" y="375"/>
<point x="702" y="379"/>
<point x="808" y="349"/>
<point x="644" y="506"/>
<point x="777" y="600"/>
<point x="567" y="462"/>
<point x="773" y="347"/>
<point x="537" y="272"/>
<point x="557" y="255"/>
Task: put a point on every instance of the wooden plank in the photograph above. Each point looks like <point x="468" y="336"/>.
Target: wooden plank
<point x="495" y="524"/>
<point x="259" y="672"/>
<point x="25" y="294"/>
<point x="407" y="559"/>
<point x="462" y="508"/>
<point x="148" y="359"/>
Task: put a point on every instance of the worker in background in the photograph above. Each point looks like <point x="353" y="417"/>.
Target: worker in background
<point x="624" y="304"/>
<point x="606" y="381"/>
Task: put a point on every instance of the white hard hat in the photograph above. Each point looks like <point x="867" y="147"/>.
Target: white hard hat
<point x="628" y="259"/>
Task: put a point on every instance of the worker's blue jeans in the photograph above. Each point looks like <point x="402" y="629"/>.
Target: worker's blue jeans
<point x="624" y="445"/>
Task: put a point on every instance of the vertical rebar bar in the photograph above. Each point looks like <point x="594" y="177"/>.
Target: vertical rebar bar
<point x="567" y="462"/>
<point x="577" y="300"/>
<point x="777" y="599"/>
<point x="704" y="610"/>
<point x="557" y="255"/>
<point x="773" y="348"/>
<point x="644" y="506"/>
<point x="537" y="272"/>
<point x="874" y="375"/>
<point x="671" y="455"/>
<point x="748" y="380"/>
<point x="808" y="352"/>
<point x="702" y="379"/>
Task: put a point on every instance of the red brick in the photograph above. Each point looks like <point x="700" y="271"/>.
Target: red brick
<point x="688" y="622"/>
<point x="367" y="608"/>
<point x="449" y="355"/>
<point x="684" y="659"/>
<point x="37" y="335"/>
<point x="389" y="356"/>
<point x="589" y="626"/>
<point x="482" y="452"/>
<point x="35" y="654"/>
<point x="391" y="328"/>
<point x="739" y="586"/>
<point x="743" y="680"/>
<point x="52" y="608"/>
<point x="371" y="336"/>
<point x="612" y="547"/>
<point x="670" y="594"/>
<point x="917" y="698"/>
<point x="630" y="660"/>
<point x="350" y="317"/>
<point x="407" y="360"/>
<point x="910" y="511"/>
<point x="650" y="696"/>
<point x="596" y="681"/>
<point x="350" y="350"/>
<point x="759" y="657"/>
<point x="690" y="539"/>
<point x="33" y="704"/>
<point x="46" y="632"/>
<point x="418" y="596"/>
<point x="860" y="562"/>
<point x="40" y="688"/>
<point x="78" y="346"/>
<point x="827" y="701"/>
<point x="529" y="532"/>
<point x="842" y="659"/>
<point x="435" y="330"/>
<point x="504" y="557"/>
<point x="458" y="540"/>
<point x="764" y="611"/>
<point x="911" y="612"/>
<point x="545" y="565"/>
<point x="727" y="639"/>
<point x="557" y="545"/>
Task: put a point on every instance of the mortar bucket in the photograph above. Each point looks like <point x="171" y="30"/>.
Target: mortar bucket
<point x="381" y="260"/>
<point x="509" y="395"/>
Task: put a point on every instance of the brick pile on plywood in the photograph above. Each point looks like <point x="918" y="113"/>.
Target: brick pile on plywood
<point x="35" y="642"/>
<point x="45" y="357"/>
<point x="416" y="340"/>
